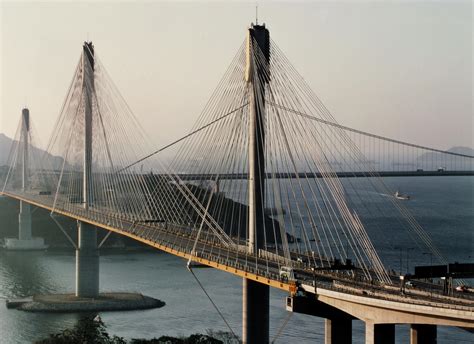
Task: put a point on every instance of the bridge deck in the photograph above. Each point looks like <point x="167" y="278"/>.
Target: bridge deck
<point x="166" y="237"/>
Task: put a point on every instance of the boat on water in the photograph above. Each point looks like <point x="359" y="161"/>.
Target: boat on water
<point x="399" y="195"/>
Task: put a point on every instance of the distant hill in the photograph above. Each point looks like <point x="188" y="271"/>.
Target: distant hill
<point x="462" y="150"/>
<point x="6" y="145"/>
<point x="441" y="159"/>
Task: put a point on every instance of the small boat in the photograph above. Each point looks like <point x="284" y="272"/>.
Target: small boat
<point x="399" y="195"/>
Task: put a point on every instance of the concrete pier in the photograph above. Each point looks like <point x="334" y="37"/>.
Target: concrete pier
<point x="423" y="334"/>
<point x="87" y="262"/>
<point x="24" y="221"/>
<point x="25" y="241"/>
<point x="338" y="324"/>
<point x="379" y="333"/>
<point x="338" y="331"/>
<point x="255" y="312"/>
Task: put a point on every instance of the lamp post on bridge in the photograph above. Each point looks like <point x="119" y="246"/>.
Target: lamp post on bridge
<point x="408" y="249"/>
<point x="431" y="271"/>
<point x="401" y="249"/>
<point x="400" y="264"/>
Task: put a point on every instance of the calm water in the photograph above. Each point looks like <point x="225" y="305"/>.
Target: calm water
<point x="443" y="205"/>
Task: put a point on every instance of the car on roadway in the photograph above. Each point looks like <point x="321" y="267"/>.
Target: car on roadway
<point x="287" y="273"/>
<point x="462" y="288"/>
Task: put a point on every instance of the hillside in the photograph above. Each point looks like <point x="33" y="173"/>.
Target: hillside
<point x="462" y="150"/>
<point x="440" y="159"/>
<point x="5" y="145"/>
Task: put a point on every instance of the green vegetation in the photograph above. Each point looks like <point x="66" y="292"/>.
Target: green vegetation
<point x="90" y="330"/>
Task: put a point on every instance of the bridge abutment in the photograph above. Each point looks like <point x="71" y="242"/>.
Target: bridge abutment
<point x="423" y="334"/>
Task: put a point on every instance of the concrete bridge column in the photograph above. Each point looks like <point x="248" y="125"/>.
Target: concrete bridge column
<point x="255" y="312"/>
<point x="24" y="221"/>
<point x="423" y="334"/>
<point x="338" y="331"/>
<point x="379" y="333"/>
<point x="87" y="254"/>
<point x="87" y="262"/>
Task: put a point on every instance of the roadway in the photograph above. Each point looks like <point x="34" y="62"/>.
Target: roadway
<point x="179" y="240"/>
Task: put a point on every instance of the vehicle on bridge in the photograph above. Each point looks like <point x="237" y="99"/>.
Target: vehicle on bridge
<point x="287" y="273"/>
<point x="462" y="288"/>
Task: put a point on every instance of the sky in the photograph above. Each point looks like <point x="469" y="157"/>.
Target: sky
<point x="401" y="69"/>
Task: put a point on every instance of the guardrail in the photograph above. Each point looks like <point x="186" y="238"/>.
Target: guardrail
<point x="235" y="259"/>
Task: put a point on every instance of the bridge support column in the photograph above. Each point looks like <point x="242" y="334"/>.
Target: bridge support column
<point x="24" y="218"/>
<point x="255" y="312"/>
<point x="25" y="240"/>
<point x="87" y="253"/>
<point x="423" y="334"/>
<point x="379" y="333"/>
<point x="87" y="262"/>
<point x="338" y="324"/>
<point x="24" y="221"/>
<point x="338" y="331"/>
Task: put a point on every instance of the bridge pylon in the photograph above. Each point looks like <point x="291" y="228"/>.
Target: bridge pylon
<point x="25" y="239"/>
<point x="87" y="252"/>
<point x="256" y="296"/>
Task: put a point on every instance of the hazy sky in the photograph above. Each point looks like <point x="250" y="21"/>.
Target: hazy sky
<point x="397" y="68"/>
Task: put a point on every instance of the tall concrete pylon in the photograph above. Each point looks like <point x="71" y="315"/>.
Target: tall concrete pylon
<point x="24" y="218"/>
<point x="256" y="296"/>
<point x="87" y="253"/>
<point x="25" y="239"/>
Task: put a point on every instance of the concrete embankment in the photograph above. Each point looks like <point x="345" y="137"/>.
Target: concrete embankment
<point x="64" y="303"/>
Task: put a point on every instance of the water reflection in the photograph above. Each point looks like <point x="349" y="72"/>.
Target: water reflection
<point x="23" y="274"/>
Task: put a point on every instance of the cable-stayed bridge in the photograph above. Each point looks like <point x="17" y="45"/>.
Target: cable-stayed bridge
<point x="266" y="185"/>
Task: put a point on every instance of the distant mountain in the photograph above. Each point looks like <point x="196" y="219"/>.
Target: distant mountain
<point x="440" y="159"/>
<point x="462" y="150"/>
<point x="5" y="145"/>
